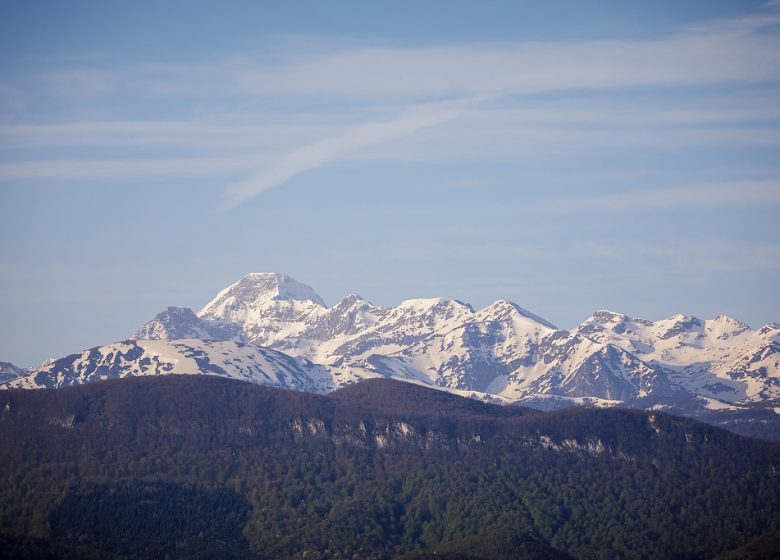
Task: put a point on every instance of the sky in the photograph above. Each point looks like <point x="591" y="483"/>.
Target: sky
<point x="567" y="156"/>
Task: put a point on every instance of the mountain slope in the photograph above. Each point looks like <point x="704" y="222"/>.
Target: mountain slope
<point x="184" y="357"/>
<point x="719" y="358"/>
<point x="8" y="372"/>
<point x="179" y="323"/>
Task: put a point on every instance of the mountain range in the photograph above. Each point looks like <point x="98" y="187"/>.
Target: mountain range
<point x="270" y="329"/>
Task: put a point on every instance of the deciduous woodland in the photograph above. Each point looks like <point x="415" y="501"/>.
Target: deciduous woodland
<point x="203" y="467"/>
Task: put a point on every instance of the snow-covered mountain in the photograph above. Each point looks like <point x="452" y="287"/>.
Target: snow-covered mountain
<point x="502" y="352"/>
<point x="235" y="360"/>
<point x="503" y="349"/>
<point x="184" y="357"/>
<point x="265" y="308"/>
<point x="721" y="358"/>
<point x="8" y="372"/>
<point x="178" y="322"/>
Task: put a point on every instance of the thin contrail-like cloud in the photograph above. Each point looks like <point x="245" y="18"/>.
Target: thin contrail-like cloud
<point x="323" y="152"/>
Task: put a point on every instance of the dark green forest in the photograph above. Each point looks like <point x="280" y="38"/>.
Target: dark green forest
<point x="202" y="467"/>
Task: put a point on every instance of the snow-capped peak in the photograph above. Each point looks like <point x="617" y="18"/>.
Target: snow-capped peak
<point x="257" y="288"/>
<point x="769" y="329"/>
<point x="677" y="325"/>
<point x="351" y="300"/>
<point x="8" y="372"/>
<point x="606" y="317"/>
<point x="724" y="326"/>
<point x="174" y="322"/>
<point x="729" y="320"/>
<point x="266" y="306"/>
<point x="421" y="303"/>
<point x="504" y="309"/>
<point x="435" y="310"/>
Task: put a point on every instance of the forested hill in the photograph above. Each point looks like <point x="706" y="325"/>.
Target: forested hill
<point x="206" y="467"/>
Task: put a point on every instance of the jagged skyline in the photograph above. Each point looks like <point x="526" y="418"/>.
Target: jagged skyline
<point x="569" y="158"/>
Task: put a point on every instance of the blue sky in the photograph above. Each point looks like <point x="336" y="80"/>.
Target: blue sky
<point x="569" y="156"/>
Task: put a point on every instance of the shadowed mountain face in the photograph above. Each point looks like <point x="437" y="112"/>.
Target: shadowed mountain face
<point x="380" y="469"/>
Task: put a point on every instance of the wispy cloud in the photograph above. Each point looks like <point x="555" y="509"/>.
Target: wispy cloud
<point x="768" y="16"/>
<point x="717" y="52"/>
<point x="377" y="93"/>
<point x="737" y="50"/>
<point x="745" y="118"/>
<point x="686" y="258"/>
<point x="210" y="133"/>
<point x="683" y="197"/>
<point x="81" y="83"/>
<point x="722" y="52"/>
<point x="108" y="170"/>
<point x="345" y="143"/>
<point x="521" y="68"/>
